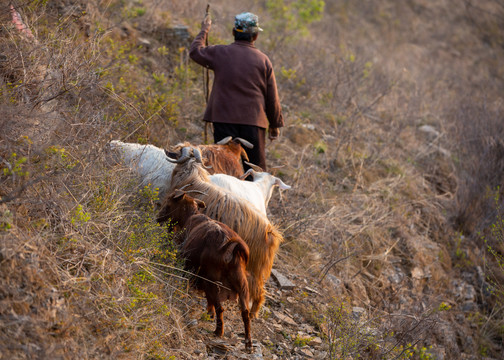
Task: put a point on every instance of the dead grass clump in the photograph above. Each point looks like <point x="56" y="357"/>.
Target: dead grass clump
<point x="481" y="166"/>
<point x="365" y="221"/>
<point x="376" y="336"/>
<point x="109" y="265"/>
<point x="36" y="320"/>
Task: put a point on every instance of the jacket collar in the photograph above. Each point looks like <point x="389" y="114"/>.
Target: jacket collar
<point x="244" y="43"/>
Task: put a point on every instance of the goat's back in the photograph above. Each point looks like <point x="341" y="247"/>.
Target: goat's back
<point x="253" y="227"/>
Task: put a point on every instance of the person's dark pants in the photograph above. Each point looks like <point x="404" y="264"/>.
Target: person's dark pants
<point x="254" y="134"/>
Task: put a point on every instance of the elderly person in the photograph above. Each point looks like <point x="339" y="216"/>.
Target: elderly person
<point x="244" y="99"/>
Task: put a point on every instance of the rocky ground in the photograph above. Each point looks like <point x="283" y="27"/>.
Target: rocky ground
<point x="382" y="255"/>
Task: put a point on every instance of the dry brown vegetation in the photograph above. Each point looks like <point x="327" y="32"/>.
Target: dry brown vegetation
<point x="393" y="145"/>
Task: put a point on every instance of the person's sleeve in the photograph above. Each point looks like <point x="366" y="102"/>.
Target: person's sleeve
<point x="273" y="107"/>
<point x="200" y="53"/>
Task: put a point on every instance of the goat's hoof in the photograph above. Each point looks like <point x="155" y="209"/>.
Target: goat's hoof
<point x="248" y="346"/>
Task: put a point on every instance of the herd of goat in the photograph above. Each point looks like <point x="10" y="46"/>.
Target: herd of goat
<point x="228" y="240"/>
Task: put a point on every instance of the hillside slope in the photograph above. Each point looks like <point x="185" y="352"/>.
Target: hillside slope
<point x="393" y="146"/>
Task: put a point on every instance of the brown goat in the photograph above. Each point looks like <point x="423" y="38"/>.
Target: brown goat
<point x="217" y="254"/>
<point x="225" y="157"/>
<point x="254" y="228"/>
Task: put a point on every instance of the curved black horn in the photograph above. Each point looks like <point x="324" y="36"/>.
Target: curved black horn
<point x="183" y="157"/>
<point x="225" y="140"/>
<point x="245" y="143"/>
<point x="198" y="157"/>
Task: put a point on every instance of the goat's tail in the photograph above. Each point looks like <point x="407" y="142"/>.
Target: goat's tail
<point x="235" y="250"/>
<point x="236" y="254"/>
<point x="260" y="268"/>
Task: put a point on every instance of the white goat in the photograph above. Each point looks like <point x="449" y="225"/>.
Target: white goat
<point x="257" y="192"/>
<point x="151" y="166"/>
<point x="148" y="162"/>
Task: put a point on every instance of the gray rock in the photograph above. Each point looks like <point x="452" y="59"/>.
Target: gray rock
<point x="192" y="323"/>
<point x="282" y="281"/>
<point x="429" y="130"/>
<point x="284" y="318"/>
<point x="306" y="352"/>
<point x="469" y="306"/>
<point x="358" y="313"/>
<point x="464" y="291"/>
<point x="316" y="341"/>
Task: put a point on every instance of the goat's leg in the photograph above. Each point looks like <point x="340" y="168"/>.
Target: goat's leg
<point x="246" y="324"/>
<point x="213" y="303"/>
<point x="219" y="319"/>
<point x="257" y="302"/>
<point x="211" y="310"/>
<point x="245" y="313"/>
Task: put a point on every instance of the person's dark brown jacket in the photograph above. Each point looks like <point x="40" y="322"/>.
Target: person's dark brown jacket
<point x="244" y="89"/>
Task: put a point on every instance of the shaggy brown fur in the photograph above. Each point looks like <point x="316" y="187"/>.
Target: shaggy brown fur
<point x="216" y="253"/>
<point x="223" y="159"/>
<point x="253" y="227"/>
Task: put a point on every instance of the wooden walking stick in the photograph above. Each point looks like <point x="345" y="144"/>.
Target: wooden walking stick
<point x="206" y="81"/>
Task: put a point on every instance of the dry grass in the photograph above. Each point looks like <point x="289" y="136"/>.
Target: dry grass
<point x="369" y="222"/>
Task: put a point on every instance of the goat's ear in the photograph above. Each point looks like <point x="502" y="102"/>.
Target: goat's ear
<point x="281" y="184"/>
<point x="201" y="204"/>
<point x="228" y="253"/>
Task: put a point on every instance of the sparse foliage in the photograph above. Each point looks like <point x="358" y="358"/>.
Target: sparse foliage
<point x="383" y="216"/>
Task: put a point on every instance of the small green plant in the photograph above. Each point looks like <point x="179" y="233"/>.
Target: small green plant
<point x="444" y="307"/>
<point x="320" y="147"/>
<point x="350" y="339"/>
<point x="301" y="341"/>
<point x="367" y="69"/>
<point x="136" y="286"/>
<point x="134" y="12"/>
<point x="14" y="166"/>
<point x="491" y="324"/>
<point x="205" y="317"/>
<point x="293" y="17"/>
<point x="59" y="158"/>
<point x="147" y="236"/>
<point x="133" y="59"/>
<point x="163" y="51"/>
<point x="6" y="219"/>
<point x="343" y="333"/>
<point x="80" y="216"/>
<point x="288" y="74"/>
<point x="417" y="352"/>
<point x="160" y="79"/>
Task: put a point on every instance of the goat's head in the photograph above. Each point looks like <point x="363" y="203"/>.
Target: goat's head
<point x="179" y="206"/>
<point x="186" y="153"/>
<point x="184" y="156"/>
<point x="258" y="174"/>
